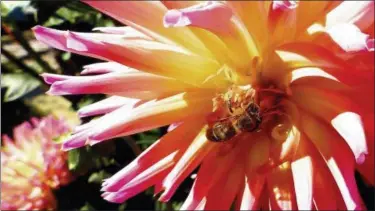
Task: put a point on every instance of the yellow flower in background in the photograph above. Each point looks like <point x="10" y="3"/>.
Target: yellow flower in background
<point x="56" y="106"/>
<point x="272" y="100"/>
<point x="32" y="164"/>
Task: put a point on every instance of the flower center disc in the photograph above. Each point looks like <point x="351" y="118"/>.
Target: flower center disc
<point x="245" y="109"/>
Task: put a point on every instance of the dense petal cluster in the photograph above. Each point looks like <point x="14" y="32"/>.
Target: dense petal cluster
<point x="309" y="63"/>
<point x="32" y="164"/>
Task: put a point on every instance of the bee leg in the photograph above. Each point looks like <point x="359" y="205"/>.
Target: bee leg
<point x="229" y="106"/>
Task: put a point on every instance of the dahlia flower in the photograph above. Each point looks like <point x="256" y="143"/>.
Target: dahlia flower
<point x="32" y="165"/>
<point x="272" y="100"/>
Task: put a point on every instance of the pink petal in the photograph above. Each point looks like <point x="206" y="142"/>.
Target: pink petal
<point x="209" y="174"/>
<point x="349" y="37"/>
<point x="281" y="188"/>
<point x="281" y="152"/>
<point x="85" y="126"/>
<point x="191" y="158"/>
<point x="203" y="15"/>
<point x="254" y="181"/>
<point x="142" y="181"/>
<point x="81" y="43"/>
<point x="304" y="54"/>
<point x="106" y="67"/>
<point x="151" y="115"/>
<point x="128" y="32"/>
<point x="366" y="169"/>
<point x="370" y="44"/>
<point x="302" y="171"/>
<point x="282" y="21"/>
<point x="82" y="134"/>
<point x="284" y="5"/>
<point x="309" y="12"/>
<point x="173" y="126"/>
<point x="251" y="193"/>
<point x="52" y="78"/>
<point x="163" y="59"/>
<point x="178" y="139"/>
<point x="210" y="40"/>
<point x="310" y="72"/>
<point x="111" y="83"/>
<point x="250" y="13"/>
<point x="105" y="106"/>
<point x="326" y="195"/>
<point x="338" y="156"/>
<point x="359" y="13"/>
<point x="325" y="103"/>
<point x="218" y="18"/>
<point x="147" y="18"/>
<point x="349" y="125"/>
<point x="9" y="144"/>
<point x="76" y="140"/>
<point x="229" y="184"/>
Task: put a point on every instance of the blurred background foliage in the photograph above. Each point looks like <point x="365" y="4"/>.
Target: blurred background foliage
<point x="22" y="96"/>
<point x="23" y="59"/>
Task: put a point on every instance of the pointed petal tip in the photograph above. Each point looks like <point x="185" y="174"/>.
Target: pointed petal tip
<point x="174" y="18"/>
<point x="52" y="37"/>
<point x="284" y="5"/>
<point x="37" y="28"/>
<point x="370" y="44"/>
<point x="75" y="42"/>
<point x="66" y="148"/>
<point x="165" y="196"/>
<point x="115" y="198"/>
<point x="45" y="78"/>
<point x="49" y="92"/>
<point x="70" y="144"/>
<point x="105" y="194"/>
<point x="52" y="78"/>
<point x="81" y="114"/>
<point x="92" y="142"/>
<point x="104" y="189"/>
<point x="56" y="89"/>
<point x="163" y="199"/>
<point x="361" y="158"/>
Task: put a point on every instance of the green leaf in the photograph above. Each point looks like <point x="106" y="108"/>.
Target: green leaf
<point x="60" y="139"/>
<point x="18" y="85"/>
<point x="53" y="21"/>
<point x="98" y="177"/>
<point x="122" y="207"/>
<point x="176" y="205"/>
<point x="81" y="160"/>
<point x="87" y="207"/>
<point x="66" y="56"/>
<point x="74" y="159"/>
<point x="68" y="14"/>
<point x="86" y="158"/>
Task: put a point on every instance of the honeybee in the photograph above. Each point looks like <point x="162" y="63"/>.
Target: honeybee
<point x="224" y="129"/>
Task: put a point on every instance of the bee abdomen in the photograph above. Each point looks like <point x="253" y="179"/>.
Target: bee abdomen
<point x="246" y="123"/>
<point x="221" y="131"/>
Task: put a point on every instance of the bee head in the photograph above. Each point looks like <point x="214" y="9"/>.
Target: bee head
<point x="253" y="109"/>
